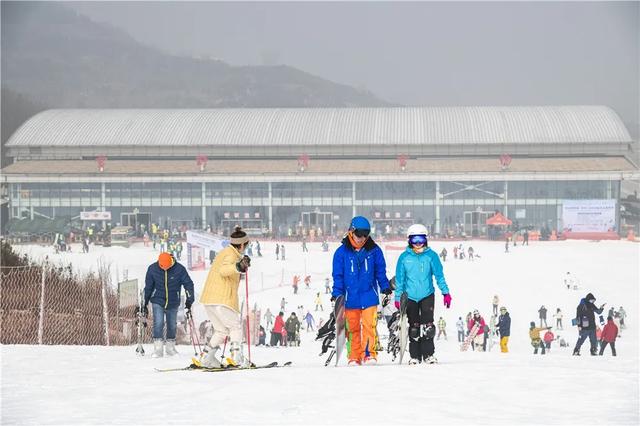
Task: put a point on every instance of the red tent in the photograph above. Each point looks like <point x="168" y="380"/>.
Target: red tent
<point x="498" y="220"/>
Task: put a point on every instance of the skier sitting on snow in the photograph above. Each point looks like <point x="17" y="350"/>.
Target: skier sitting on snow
<point x="359" y="270"/>
<point x="415" y="270"/>
<point x="162" y="288"/>
<point x="220" y="300"/>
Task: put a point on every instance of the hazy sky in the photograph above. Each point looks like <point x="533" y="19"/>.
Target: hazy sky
<point x="415" y="53"/>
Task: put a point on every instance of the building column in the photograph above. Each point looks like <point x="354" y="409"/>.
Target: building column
<point x="506" y="198"/>
<point x="271" y="210"/>
<point x="19" y="199"/>
<point x="353" y="199"/>
<point x="609" y="190"/>
<point x="103" y="197"/>
<point x="31" y="212"/>
<point x="203" y="199"/>
<point x="437" y="205"/>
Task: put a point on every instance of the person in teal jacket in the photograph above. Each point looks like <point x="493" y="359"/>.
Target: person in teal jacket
<point x="415" y="270"/>
<point x="360" y="274"/>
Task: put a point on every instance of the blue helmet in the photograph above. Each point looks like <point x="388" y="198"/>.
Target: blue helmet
<point x="360" y="222"/>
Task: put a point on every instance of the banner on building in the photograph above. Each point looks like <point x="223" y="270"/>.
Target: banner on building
<point x="589" y="215"/>
<point x="95" y="215"/>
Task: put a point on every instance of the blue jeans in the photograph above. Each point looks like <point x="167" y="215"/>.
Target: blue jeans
<point x="591" y="334"/>
<point x="159" y="313"/>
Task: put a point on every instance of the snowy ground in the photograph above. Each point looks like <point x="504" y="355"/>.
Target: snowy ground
<point x="100" y="385"/>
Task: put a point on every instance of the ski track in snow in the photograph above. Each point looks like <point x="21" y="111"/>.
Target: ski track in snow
<point x="110" y="385"/>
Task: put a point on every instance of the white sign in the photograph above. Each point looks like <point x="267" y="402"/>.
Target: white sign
<point x="206" y="241"/>
<point x="589" y="215"/>
<point x="95" y="215"/>
<point x="521" y="213"/>
<point x="128" y="293"/>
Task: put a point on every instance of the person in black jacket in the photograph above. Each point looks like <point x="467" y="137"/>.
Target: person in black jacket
<point x="162" y="288"/>
<point x="586" y="318"/>
<point x="504" y="328"/>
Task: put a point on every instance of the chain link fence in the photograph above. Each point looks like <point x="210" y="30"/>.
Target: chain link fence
<point x="54" y="305"/>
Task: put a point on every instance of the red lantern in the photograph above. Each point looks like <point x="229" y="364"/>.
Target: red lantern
<point x="505" y="161"/>
<point x="303" y="162"/>
<point x="402" y="160"/>
<point x="201" y="161"/>
<point x="101" y="160"/>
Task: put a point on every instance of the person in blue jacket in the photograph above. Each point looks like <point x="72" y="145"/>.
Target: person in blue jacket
<point x="504" y="327"/>
<point x="414" y="275"/>
<point x="162" y="288"/>
<point x="360" y="274"/>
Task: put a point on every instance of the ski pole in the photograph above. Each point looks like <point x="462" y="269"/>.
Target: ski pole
<point x="246" y="283"/>
<point x="224" y="348"/>
<point x="191" y="333"/>
<point x="194" y="333"/>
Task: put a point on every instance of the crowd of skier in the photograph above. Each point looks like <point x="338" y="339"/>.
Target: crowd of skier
<point x="360" y="283"/>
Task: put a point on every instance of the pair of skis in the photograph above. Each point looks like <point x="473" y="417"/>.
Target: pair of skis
<point x="195" y="367"/>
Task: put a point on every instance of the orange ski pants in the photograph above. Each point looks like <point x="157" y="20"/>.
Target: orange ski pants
<point x="362" y="338"/>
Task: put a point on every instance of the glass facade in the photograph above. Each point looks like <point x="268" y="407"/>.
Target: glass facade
<point x="279" y="206"/>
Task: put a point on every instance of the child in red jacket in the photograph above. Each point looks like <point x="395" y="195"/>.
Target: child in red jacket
<point x="548" y="338"/>
<point x="609" y="335"/>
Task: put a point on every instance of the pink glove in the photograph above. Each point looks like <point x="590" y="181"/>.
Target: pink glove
<point x="397" y="304"/>
<point x="447" y="300"/>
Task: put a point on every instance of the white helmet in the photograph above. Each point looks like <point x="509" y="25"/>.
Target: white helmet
<point x="417" y="229"/>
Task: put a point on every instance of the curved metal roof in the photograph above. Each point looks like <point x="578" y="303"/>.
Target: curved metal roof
<point x="321" y="126"/>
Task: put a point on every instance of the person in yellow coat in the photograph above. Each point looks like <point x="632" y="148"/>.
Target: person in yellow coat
<point x="220" y="300"/>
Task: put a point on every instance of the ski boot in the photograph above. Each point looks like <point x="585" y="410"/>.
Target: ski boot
<point x="237" y="360"/>
<point x="354" y="363"/>
<point x="158" y="348"/>
<point x="170" y="349"/>
<point x="431" y="360"/>
<point x="414" y="361"/>
<point x="208" y="358"/>
<point x="576" y="352"/>
<point x="369" y="360"/>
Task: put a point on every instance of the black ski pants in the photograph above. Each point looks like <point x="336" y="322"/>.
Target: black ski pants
<point x="419" y="314"/>
<point x="604" y="344"/>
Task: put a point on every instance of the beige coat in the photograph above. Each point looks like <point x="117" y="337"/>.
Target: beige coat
<point x="221" y="287"/>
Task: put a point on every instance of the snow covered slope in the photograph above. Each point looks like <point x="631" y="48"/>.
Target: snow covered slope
<point x="99" y="385"/>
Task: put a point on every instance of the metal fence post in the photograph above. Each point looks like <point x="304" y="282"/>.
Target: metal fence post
<point x="41" y="319"/>
<point x="105" y="309"/>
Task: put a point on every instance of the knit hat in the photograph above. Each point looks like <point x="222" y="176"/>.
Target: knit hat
<point x="360" y="222"/>
<point x="165" y="260"/>
<point x="238" y="237"/>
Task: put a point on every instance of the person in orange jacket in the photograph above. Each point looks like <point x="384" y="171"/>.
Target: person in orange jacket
<point x="609" y="335"/>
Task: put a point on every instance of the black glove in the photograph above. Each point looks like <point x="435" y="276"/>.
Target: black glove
<point x="145" y="311"/>
<point x="333" y="299"/>
<point x="387" y="291"/>
<point x="243" y="264"/>
<point x="187" y="304"/>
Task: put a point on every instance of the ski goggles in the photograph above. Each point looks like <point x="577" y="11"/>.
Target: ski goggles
<point x="360" y="233"/>
<point x="417" y="239"/>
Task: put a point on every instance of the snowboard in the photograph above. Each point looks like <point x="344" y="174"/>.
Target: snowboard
<point x="404" y="326"/>
<point x="470" y="337"/>
<point x="338" y="312"/>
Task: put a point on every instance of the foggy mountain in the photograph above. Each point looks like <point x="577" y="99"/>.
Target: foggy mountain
<point x="56" y="56"/>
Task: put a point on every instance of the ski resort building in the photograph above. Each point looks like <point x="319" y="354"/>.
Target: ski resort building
<point x="277" y="171"/>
